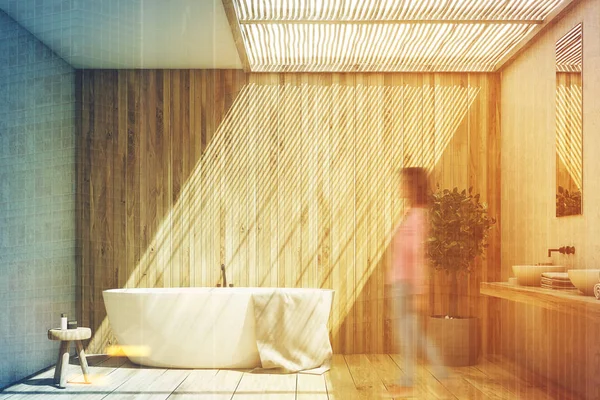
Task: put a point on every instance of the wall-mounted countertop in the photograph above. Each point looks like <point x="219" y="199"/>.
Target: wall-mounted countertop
<point x="569" y="301"/>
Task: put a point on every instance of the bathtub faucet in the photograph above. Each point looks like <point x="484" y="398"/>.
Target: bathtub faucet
<point x="223" y="275"/>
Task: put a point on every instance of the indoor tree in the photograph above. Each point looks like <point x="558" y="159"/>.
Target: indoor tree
<point x="459" y="227"/>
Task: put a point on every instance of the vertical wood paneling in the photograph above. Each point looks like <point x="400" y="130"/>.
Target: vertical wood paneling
<point x="294" y="134"/>
<point x="113" y="217"/>
<point x="167" y="181"/>
<point x="361" y="209"/>
<point x="83" y="194"/>
<point x="133" y="178"/>
<point x="379" y="175"/>
<point x="196" y="275"/>
<point x="120" y="181"/>
<point x="259" y="125"/>
<point x="102" y="189"/>
<point x="324" y="185"/>
<point x="308" y="150"/>
<point x="161" y="169"/>
<point x="145" y="221"/>
<point x="207" y="257"/>
<point x="342" y="145"/>
<point x="388" y="108"/>
<point x="254" y="143"/>
<point x="288" y="179"/>
<point x="460" y="156"/>
<point x="148" y="194"/>
<point x="186" y="171"/>
<point x="490" y="128"/>
<point x="177" y="134"/>
<point x="79" y="195"/>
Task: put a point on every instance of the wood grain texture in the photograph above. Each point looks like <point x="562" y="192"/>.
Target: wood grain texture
<point x="361" y="377"/>
<point x="572" y="302"/>
<point x="208" y="384"/>
<point x="287" y="179"/>
<point x="559" y="347"/>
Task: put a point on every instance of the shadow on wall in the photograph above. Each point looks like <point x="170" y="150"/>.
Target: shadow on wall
<point x="293" y="187"/>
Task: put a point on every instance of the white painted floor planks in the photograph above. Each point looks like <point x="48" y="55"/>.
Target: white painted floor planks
<point x="351" y="377"/>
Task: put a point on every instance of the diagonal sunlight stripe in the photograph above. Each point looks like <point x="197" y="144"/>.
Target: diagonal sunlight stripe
<point x="569" y="125"/>
<point x="569" y="51"/>
<point x="443" y="134"/>
<point x="274" y="131"/>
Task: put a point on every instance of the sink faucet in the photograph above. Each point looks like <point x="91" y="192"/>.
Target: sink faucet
<point x="223" y="275"/>
<point x="562" y="250"/>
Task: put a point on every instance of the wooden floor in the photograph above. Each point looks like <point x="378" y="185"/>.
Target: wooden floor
<point x="351" y="377"/>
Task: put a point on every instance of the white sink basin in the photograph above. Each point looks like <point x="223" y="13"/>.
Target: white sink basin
<point x="531" y="275"/>
<point x="585" y="279"/>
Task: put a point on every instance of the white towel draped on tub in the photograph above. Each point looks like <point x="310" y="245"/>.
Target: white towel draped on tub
<point x="291" y="330"/>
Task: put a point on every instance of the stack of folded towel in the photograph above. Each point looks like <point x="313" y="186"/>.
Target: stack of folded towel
<point x="557" y="280"/>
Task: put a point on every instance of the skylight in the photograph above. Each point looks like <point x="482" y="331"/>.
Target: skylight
<point x="409" y="35"/>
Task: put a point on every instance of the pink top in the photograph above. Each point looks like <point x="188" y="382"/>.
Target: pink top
<point x="408" y="251"/>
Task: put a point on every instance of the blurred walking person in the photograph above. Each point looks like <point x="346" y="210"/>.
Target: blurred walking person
<point x="408" y="279"/>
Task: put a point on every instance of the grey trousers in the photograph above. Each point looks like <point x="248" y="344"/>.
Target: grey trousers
<point x="411" y="336"/>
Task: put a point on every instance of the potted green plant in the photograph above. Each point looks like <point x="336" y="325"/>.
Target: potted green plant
<point x="459" y="227"/>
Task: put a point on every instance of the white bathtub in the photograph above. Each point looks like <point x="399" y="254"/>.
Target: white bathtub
<point x="190" y="327"/>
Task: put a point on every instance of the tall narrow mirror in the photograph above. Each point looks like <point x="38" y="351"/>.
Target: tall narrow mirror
<point x="569" y="123"/>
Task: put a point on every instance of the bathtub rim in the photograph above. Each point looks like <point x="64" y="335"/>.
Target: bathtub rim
<point x="206" y="289"/>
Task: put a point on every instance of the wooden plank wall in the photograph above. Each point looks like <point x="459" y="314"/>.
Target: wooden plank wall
<point x="287" y="179"/>
<point x="563" y="348"/>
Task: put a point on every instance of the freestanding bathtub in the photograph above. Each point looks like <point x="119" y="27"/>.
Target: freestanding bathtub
<point x="191" y="327"/>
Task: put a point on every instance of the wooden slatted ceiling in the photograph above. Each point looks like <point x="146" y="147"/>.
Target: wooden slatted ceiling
<point x="360" y="10"/>
<point x="409" y="36"/>
<point x="418" y="47"/>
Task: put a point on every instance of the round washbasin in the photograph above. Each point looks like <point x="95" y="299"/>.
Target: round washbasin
<point x="585" y="279"/>
<point x="531" y="275"/>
